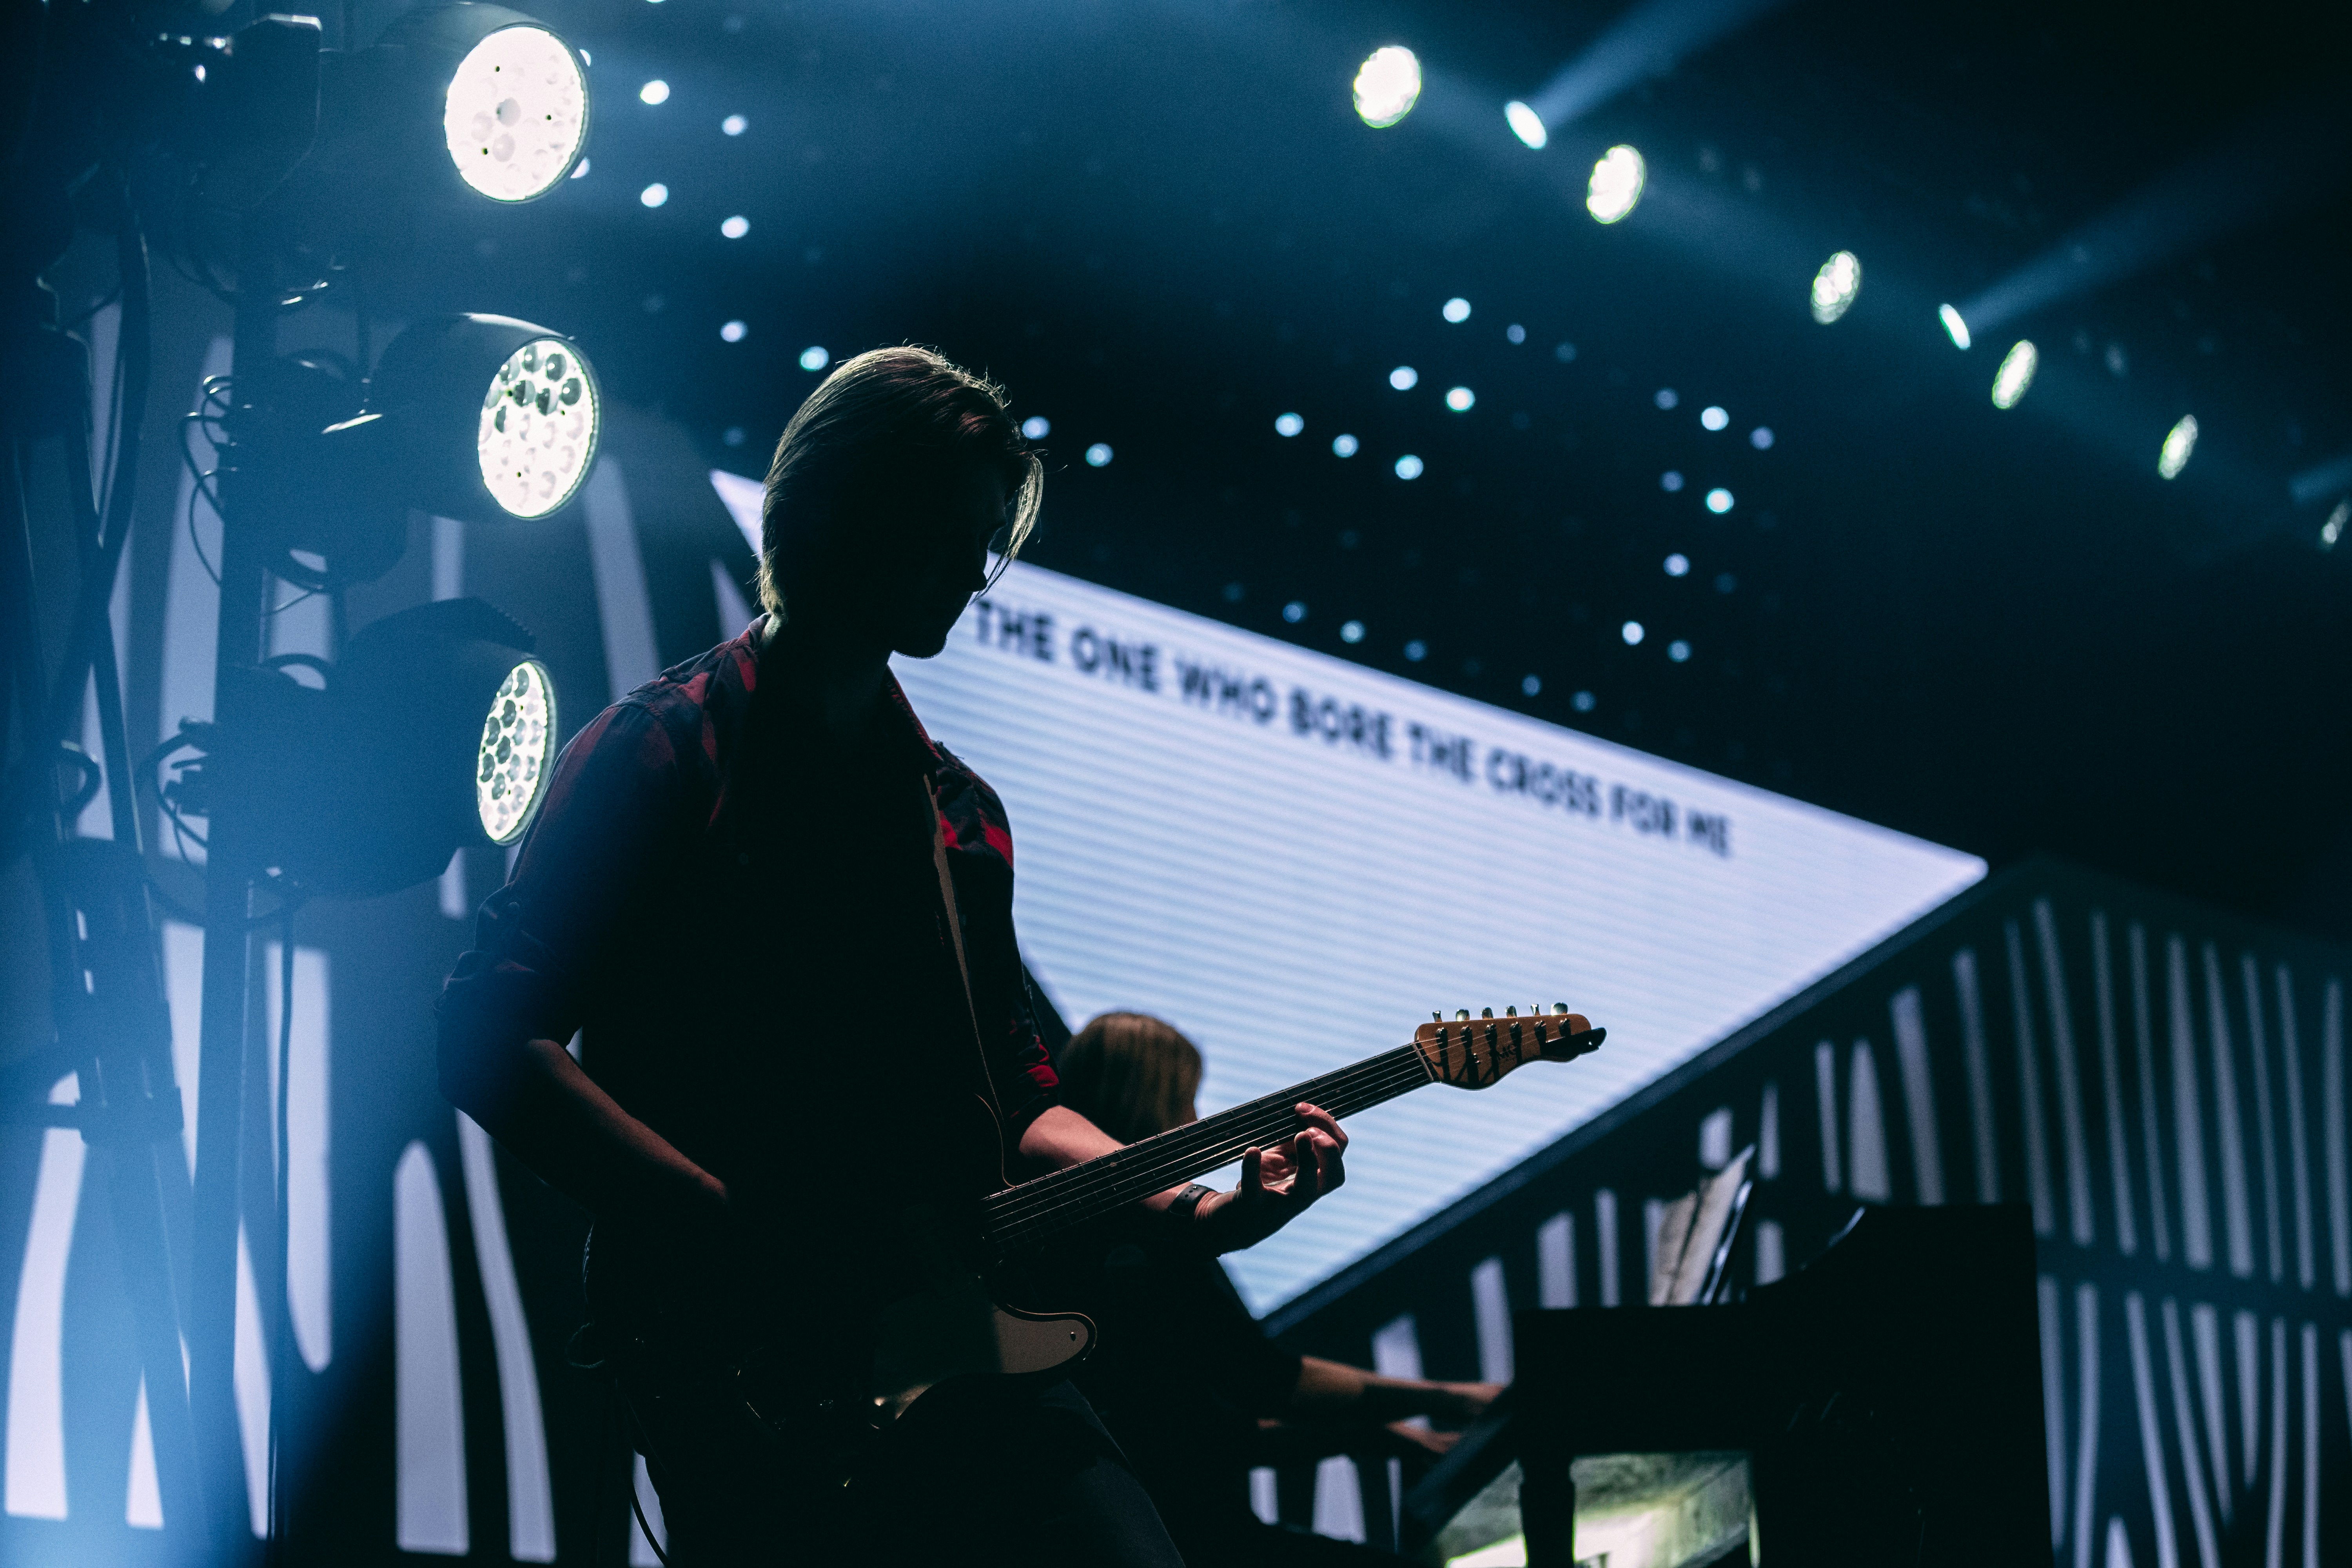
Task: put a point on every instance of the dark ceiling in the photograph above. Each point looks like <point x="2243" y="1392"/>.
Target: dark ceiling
<point x="1161" y="225"/>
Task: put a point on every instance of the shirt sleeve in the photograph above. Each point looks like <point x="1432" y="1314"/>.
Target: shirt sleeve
<point x="611" y="806"/>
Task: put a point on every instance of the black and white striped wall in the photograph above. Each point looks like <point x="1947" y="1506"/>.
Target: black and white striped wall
<point x="430" y="1284"/>
<point x="2162" y="1082"/>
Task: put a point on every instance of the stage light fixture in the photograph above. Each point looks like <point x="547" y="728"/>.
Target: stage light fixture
<point x="512" y="95"/>
<point x="1526" y="124"/>
<point x="1713" y="417"/>
<point x="1958" y="328"/>
<point x="436" y="730"/>
<point x="654" y="92"/>
<point x="736" y="228"/>
<point x="734" y="125"/>
<point x="1345" y="445"/>
<point x="655" y="194"/>
<point x="1678" y="564"/>
<point x="1616" y="184"/>
<point x="2179" y="442"/>
<point x="2016" y="373"/>
<point x="1835" y="286"/>
<point x="733" y="332"/>
<point x="1352" y="632"/>
<point x="1461" y="399"/>
<point x="1456" y="309"/>
<point x="814" y="358"/>
<point x="1405" y="378"/>
<point x="1288" y="424"/>
<point x="1409" y="467"/>
<point x="1387" y="85"/>
<point x="484" y="418"/>
<point x="1098" y="456"/>
<point x="1036" y="428"/>
<point x="1719" y="501"/>
<point x="1633" y="632"/>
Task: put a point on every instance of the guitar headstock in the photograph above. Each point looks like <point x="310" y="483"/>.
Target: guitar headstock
<point x="1471" y="1053"/>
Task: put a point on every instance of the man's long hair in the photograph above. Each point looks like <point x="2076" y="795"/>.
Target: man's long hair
<point x="1130" y="1074"/>
<point x="890" y="417"/>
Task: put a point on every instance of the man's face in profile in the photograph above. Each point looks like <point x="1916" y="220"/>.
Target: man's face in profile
<point x="947" y="559"/>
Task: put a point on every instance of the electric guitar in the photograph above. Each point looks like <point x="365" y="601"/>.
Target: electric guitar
<point x="963" y="1326"/>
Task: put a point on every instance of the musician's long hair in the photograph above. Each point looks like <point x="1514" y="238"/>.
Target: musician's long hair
<point x="1130" y="1074"/>
<point x="883" y="425"/>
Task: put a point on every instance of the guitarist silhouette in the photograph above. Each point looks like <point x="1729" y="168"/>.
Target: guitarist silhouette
<point x="778" y="916"/>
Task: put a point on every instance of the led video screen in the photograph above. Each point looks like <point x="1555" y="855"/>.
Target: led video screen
<point x="1295" y="859"/>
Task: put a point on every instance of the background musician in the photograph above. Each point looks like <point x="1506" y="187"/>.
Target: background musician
<point x="1184" y="1377"/>
<point x="780" y="914"/>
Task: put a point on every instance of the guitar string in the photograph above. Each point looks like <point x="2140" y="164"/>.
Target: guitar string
<point x="1179" y="1145"/>
<point x="1111" y="1188"/>
<point x="1218" y="1140"/>
<point x="1257" y="1120"/>
<point x="1126" y="1185"/>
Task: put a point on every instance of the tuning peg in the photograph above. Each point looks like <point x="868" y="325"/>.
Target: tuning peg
<point x="1436" y="1017"/>
<point x="1559" y="1007"/>
<point x="1461" y="1015"/>
<point x="1485" y="1012"/>
<point x="1508" y="1012"/>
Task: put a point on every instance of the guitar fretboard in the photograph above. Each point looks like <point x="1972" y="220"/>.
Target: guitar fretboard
<point x="1028" y="1213"/>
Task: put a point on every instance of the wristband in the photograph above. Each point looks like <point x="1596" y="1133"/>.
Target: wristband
<point x="1188" y="1202"/>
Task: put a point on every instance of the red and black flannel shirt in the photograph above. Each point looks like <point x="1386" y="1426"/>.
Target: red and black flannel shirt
<point x="742" y="917"/>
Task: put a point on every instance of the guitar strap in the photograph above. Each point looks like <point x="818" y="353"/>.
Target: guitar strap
<point x="964" y="968"/>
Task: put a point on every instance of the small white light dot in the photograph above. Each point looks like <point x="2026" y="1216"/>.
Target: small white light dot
<point x="733" y="332"/>
<point x="1583" y="701"/>
<point x="1667" y="397"/>
<point x="1353" y="632"/>
<point x="1714" y="419"/>
<point x="734" y="125"/>
<point x="1294" y="612"/>
<point x="1632" y="632"/>
<point x="1415" y="651"/>
<point x="1718" y="500"/>
<point x="652" y="195"/>
<point x="1404" y="377"/>
<point x="654" y="91"/>
<point x="1526" y="124"/>
<point x="1516" y="332"/>
<point x="1457" y="310"/>
<point x="1098" y="456"/>
<point x="1670" y="482"/>
<point x="1288" y="423"/>
<point x="1957" y="327"/>
<point x="1036" y="428"/>
<point x="1678" y="650"/>
<point x="813" y="358"/>
<point x="1678" y="564"/>
<point x="1460" y="399"/>
<point x="1345" y="445"/>
<point x="1531" y="685"/>
<point x="736" y="228"/>
<point x="1408" y="466"/>
<point x="1760" y="438"/>
<point x="580" y="170"/>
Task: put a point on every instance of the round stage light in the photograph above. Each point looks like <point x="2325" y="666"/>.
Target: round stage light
<point x="1345" y="445"/>
<point x="1098" y="455"/>
<point x="736" y="228"/>
<point x="1351" y="631"/>
<point x="1526" y="124"/>
<point x="1958" y="328"/>
<point x="538" y="428"/>
<point x="1288" y="424"/>
<point x="1036" y="428"/>
<point x="1718" y="500"/>
<point x="1405" y="378"/>
<point x="1712" y="418"/>
<point x="1678" y="564"/>
<point x="1457" y="310"/>
<point x="1616" y="184"/>
<point x="518" y="742"/>
<point x="1387" y="85"/>
<point x="2178" y="443"/>
<point x="1633" y="632"/>
<point x="516" y="113"/>
<point x="2016" y="373"/>
<point x="1461" y="399"/>
<point x="1409" y="467"/>
<point x="1835" y="287"/>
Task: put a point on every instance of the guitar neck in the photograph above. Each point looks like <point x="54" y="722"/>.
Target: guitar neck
<point x="1036" y="1209"/>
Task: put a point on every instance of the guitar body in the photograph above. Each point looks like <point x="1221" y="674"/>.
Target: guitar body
<point x="951" y="1332"/>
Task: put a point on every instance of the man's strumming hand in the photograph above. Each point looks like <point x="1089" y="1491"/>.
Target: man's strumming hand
<point x="1278" y="1185"/>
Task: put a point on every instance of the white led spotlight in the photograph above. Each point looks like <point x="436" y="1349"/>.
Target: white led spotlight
<point x="538" y="428"/>
<point x="518" y="745"/>
<point x="509" y="95"/>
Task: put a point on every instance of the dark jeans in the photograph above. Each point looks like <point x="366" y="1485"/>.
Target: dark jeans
<point x="1032" y="1481"/>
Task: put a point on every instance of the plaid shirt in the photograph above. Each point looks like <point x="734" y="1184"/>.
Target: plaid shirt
<point x="754" y="983"/>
